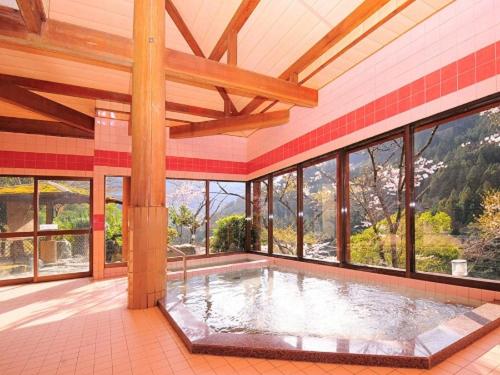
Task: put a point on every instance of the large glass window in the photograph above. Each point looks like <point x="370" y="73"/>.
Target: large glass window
<point x="285" y="214"/>
<point x="61" y="242"/>
<point x="320" y="210"/>
<point x="227" y="216"/>
<point x="186" y="201"/>
<point x="63" y="206"/>
<point x="16" y="216"/>
<point x="376" y="197"/>
<point x="259" y="196"/>
<point x="114" y="221"/>
<point x="457" y="196"/>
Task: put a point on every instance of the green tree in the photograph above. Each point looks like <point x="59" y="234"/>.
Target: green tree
<point x="436" y="247"/>
<point x="114" y="239"/>
<point x="483" y="248"/>
<point x="229" y="234"/>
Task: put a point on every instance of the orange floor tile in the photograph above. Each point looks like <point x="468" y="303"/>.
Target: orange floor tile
<point x="83" y="327"/>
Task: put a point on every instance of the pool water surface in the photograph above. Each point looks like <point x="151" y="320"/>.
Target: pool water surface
<point x="278" y="301"/>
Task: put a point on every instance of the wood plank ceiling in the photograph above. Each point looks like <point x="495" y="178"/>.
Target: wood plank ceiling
<point x="232" y="67"/>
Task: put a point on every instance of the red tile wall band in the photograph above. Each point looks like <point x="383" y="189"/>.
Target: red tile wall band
<point x="476" y="67"/>
<point x="38" y="160"/>
<point x="467" y="71"/>
<point x="173" y="163"/>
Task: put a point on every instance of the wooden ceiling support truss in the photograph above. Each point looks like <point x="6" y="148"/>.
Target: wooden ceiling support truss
<point x="29" y="30"/>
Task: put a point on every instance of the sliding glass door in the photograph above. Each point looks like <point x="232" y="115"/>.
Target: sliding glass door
<point x="45" y="228"/>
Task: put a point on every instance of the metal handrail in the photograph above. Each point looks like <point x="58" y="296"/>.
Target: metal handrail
<point x="184" y="259"/>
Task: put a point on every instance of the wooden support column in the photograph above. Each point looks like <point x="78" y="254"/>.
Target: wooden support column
<point x="125" y="220"/>
<point x="147" y="212"/>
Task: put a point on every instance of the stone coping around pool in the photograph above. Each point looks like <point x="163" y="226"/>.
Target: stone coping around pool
<point x="176" y="265"/>
<point x="425" y="351"/>
<point x="240" y="264"/>
<point x="446" y="292"/>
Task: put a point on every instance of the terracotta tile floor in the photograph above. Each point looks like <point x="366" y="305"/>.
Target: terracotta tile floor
<point x="83" y="327"/>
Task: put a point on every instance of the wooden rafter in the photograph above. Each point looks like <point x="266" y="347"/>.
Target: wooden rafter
<point x="183" y="28"/>
<point x="244" y="11"/>
<point x="77" y="43"/>
<point x="230" y="33"/>
<point x="193" y="110"/>
<point x="360" y="38"/>
<point x="42" y="127"/>
<point x="230" y="124"/>
<point x="33" y="14"/>
<point x="232" y="48"/>
<point x="24" y="98"/>
<point x="91" y="93"/>
<point x="336" y="34"/>
<point x="195" y="47"/>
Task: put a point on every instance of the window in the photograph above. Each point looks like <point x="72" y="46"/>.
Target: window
<point x="64" y="211"/>
<point x="227" y="216"/>
<point x="457" y="196"/>
<point x="187" y="206"/>
<point x="114" y="220"/>
<point x="376" y="198"/>
<point x="259" y="196"/>
<point x="60" y="244"/>
<point x="454" y="199"/>
<point x="16" y="216"/>
<point x="320" y="210"/>
<point x="285" y="214"/>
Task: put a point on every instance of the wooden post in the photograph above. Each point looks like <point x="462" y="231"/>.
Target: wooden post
<point x="147" y="213"/>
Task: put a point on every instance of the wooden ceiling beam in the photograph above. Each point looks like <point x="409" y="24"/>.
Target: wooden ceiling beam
<point x="189" y="69"/>
<point x="244" y="11"/>
<point x="11" y="21"/>
<point x="91" y="93"/>
<point x="41" y="127"/>
<point x="364" y="11"/>
<point x="230" y="124"/>
<point x="65" y="89"/>
<point x="70" y="42"/>
<point x="33" y="14"/>
<point x="195" y="47"/>
<point x="29" y="100"/>
<point x="65" y="41"/>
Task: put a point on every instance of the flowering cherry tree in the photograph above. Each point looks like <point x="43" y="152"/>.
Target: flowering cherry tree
<point x="377" y="194"/>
